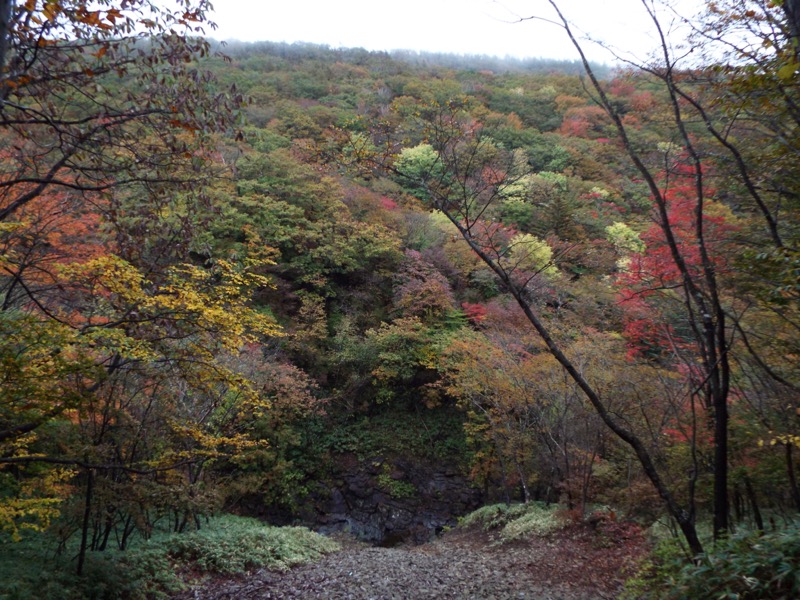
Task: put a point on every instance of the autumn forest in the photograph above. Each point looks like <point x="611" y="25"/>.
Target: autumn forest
<point x="261" y="286"/>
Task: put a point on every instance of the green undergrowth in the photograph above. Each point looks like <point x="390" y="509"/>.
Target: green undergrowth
<point x="157" y="567"/>
<point x="434" y="434"/>
<point x="749" y="565"/>
<point x="516" y="521"/>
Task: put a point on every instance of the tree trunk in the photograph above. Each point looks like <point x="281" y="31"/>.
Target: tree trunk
<point x="6" y="9"/>
<point x="681" y="516"/>
<point x="721" y="507"/>
<point x="751" y="495"/>
<point x="791" y="8"/>
<point x="792" y="477"/>
<point x="87" y="513"/>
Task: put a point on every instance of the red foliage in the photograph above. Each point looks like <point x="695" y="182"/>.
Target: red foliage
<point x="388" y="203"/>
<point x="493" y="176"/>
<point x="621" y="87"/>
<point x="642" y="102"/>
<point x="656" y="270"/>
<point x="476" y="313"/>
<point x="585" y="122"/>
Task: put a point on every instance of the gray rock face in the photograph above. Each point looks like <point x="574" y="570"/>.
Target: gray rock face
<point x="387" y="502"/>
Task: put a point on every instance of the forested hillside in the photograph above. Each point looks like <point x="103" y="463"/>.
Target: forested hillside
<point x="372" y="292"/>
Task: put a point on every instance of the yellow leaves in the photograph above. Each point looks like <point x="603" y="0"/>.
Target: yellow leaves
<point x="787" y="72"/>
<point x="107" y="274"/>
<point x="34" y="514"/>
<point x="213" y="444"/>
<point x="37" y="504"/>
<point x="37" y="367"/>
<point x="51" y="10"/>
<point x="193" y="302"/>
<point x="787" y="439"/>
<point x="120" y="343"/>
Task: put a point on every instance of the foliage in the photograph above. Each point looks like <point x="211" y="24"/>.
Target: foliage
<point x="148" y="115"/>
<point x="625" y="240"/>
<point x="395" y="488"/>
<point x="747" y="565"/>
<point x="419" y="168"/>
<point x="148" y="253"/>
<point x="528" y="253"/>
<point x="437" y="434"/>
<point x="516" y="521"/>
<point x="225" y="545"/>
<point x="236" y="545"/>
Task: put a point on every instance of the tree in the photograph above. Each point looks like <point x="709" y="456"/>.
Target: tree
<point x="475" y="174"/>
<point x="707" y="309"/>
<point x="116" y="350"/>
<point x="101" y="95"/>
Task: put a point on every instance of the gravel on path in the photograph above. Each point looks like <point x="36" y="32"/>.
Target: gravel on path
<point x="566" y="566"/>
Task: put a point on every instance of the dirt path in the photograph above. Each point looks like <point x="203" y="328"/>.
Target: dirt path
<point x="570" y="565"/>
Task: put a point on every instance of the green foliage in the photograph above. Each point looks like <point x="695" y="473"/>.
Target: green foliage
<point x="516" y="521"/>
<point x="746" y="566"/>
<point x="435" y="433"/>
<point x="153" y="569"/>
<point x="625" y="239"/>
<point x="394" y="487"/>
<point x="665" y="558"/>
<point x="235" y="545"/>
<point x="418" y="168"/>
<point x="528" y="253"/>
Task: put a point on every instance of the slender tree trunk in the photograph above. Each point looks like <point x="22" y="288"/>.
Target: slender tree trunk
<point x="6" y="9"/>
<point x="681" y="516"/>
<point x="127" y="529"/>
<point x="109" y="525"/>
<point x="738" y="505"/>
<point x="721" y="507"/>
<point x="587" y="479"/>
<point x="751" y="495"/>
<point x="791" y="9"/>
<point x="87" y="513"/>
<point x="526" y="494"/>
<point x="792" y="477"/>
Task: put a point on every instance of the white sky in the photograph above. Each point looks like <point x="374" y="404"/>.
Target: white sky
<point x="452" y="26"/>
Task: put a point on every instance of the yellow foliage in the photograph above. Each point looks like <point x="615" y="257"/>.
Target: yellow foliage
<point x="785" y="440"/>
<point x="36" y="505"/>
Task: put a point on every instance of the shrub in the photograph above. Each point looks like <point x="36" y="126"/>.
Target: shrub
<point x="746" y="566"/>
<point x="151" y="569"/>
<point x="538" y="521"/>
<point x="237" y="545"/>
<point x="516" y="521"/>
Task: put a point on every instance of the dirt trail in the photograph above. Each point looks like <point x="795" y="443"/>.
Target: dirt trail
<point x="574" y="564"/>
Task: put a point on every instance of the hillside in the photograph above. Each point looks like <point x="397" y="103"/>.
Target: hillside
<point x="370" y="293"/>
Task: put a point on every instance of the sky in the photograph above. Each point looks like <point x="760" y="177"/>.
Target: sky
<point x="489" y="27"/>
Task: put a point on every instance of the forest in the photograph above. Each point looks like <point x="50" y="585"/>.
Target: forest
<point x="254" y="290"/>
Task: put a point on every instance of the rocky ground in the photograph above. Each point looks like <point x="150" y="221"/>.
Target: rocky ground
<point x="577" y="563"/>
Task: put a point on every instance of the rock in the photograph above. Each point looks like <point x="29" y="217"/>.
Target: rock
<point x="386" y="502"/>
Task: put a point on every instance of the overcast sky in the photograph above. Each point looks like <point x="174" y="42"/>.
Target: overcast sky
<point x="454" y="26"/>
